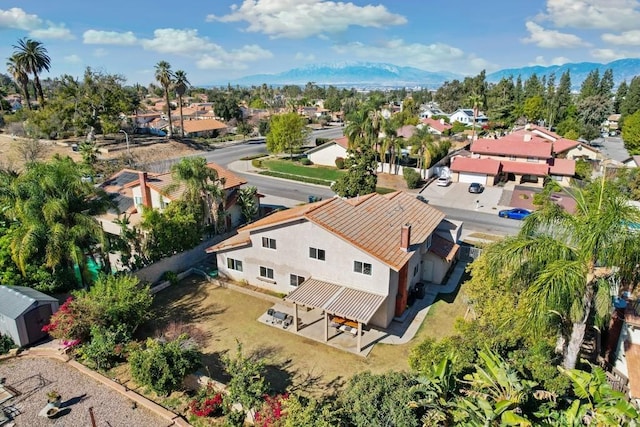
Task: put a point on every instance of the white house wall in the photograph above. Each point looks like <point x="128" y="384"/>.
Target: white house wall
<point x="326" y="156"/>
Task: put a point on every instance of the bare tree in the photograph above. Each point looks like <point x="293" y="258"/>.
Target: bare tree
<point x="30" y="150"/>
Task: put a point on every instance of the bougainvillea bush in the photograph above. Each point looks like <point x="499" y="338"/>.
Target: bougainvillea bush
<point x="207" y="403"/>
<point x="272" y="411"/>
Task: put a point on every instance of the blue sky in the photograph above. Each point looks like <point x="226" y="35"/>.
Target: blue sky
<point x="216" y="40"/>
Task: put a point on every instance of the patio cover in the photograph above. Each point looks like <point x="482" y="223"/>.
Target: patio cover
<point x="337" y="300"/>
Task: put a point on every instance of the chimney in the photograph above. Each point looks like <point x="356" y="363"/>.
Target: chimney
<point x="527" y="137"/>
<point x="405" y="237"/>
<point x="144" y="189"/>
<point x="441" y="121"/>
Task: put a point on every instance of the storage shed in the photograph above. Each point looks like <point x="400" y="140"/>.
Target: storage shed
<point x="23" y="313"/>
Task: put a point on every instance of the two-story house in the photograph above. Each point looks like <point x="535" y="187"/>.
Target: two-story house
<point x="436" y="127"/>
<point x="526" y="155"/>
<point x="368" y="253"/>
<point x="465" y="116"/>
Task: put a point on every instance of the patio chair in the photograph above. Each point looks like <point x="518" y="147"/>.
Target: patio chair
<point x="287" y="321"/>
<point x="271" y="312"/>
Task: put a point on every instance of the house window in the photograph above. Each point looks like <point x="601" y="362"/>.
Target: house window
<point x="512" y="158"/>
<point x="556" y="177"/>
<point x="295" y="280"/>
<point x="362" y="267"/>
<point x="317" y="254"/>
<point x="234" y="264"/>
<point x="137" y="200"/>
<point x="415" y="270"/>
<point x="532" y="159"/>
<point x="268" y="243"/>
<point x="266" y="273"/>
<point x="163" y="204"/>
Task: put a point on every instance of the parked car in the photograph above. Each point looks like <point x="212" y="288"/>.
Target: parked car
<point x="476" y="187"/>
<point x="515" y="213"/>
<point x="443" y="181"/>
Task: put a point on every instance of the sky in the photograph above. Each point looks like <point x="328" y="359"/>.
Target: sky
<point x="218" y="40"/>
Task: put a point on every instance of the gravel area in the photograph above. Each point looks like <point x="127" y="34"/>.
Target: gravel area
<point x="35" y="377"/>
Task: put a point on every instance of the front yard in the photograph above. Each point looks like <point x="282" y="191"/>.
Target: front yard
<point x="226" y="316"/>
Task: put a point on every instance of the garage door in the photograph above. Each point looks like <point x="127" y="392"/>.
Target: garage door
<point x="472" y="177"/>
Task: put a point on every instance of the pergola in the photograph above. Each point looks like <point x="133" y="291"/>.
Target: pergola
<point x="335" y="300"/>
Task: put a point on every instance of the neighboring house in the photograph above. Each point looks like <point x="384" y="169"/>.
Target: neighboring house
<point x="372" y="250"/>
<point x="131" y="189"/>
<point x="201" y="128"/>
<point x="612" y="124"/>
<point x="436" y="127"/>
<point x="632" y="162"/>
<point x="430" y="111"/>
<point x="23" y="313"/>
<point x="627" y="362"/>
<point x="327" y="153"/>
<point x="527" y="155"/>
<point x="465" y="115"/>
<point x="405" y="131"/>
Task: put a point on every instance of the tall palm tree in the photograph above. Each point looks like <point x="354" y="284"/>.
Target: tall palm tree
<point x="181" y="84"/>
<point x="422" y="143"/>
<point x="53" y="209"/>
<point x="202" y="187"/>
<point x="562" y="263"/>
<point x="20" y="76"/>
<point x="164" y="76"/>
<point x="475" y="101"/>
<point x="33" y="58"/>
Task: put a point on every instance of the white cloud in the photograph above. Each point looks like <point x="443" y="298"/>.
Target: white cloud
<point x="542" y="37"/>
<point x="558" y="60"/>
<point x="304" y="18"/>
<point x="300" y="56"/>
<point x="100" y="52"/>
<point x="73" y="59"/>
<point x="631" y="38"/>
<point x="432" y="57"/>
<point x="608" y="55"/>
<point x="109" y="37"/>
<point x="594" y="14"/>
<point x="18" y="19"/>
<point x="208" y="55"/>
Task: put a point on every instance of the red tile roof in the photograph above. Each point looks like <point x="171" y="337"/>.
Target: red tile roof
<point x="467" y="164"/>
<point x="563" y="144"/>
<point x="191" y="126"/>
<point x="566" y="167"/>
<point x="436" y="124"/>
<point x="230" y="179"/>
<point x="342" y="142"/>
<point x="406" y="131"/>
<point x="525" y="168"/>
<point x="371" y="223"/>
<point x="512" y="145"/>
<point x="443" y="248"/>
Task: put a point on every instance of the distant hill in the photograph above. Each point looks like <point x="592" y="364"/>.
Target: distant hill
<point x="381" y="75"/>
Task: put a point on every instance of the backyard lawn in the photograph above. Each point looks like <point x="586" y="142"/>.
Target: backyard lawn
<point x="227" y="317"/>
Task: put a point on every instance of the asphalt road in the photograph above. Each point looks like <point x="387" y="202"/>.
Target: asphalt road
<point x="611" y="147"/>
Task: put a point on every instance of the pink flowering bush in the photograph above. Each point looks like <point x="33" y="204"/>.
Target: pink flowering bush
<point x="272" y="411"/>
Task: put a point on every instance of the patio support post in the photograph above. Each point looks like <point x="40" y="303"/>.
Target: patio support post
<point x="326" y="327"/>
<point x="295" y="317"/>
<point x="359" y="336"/>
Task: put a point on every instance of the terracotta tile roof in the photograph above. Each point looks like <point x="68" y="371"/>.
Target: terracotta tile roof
<point x="566" y="167"/>
<point x="203" y="125"/>
<point x="406" y="131"/>
<point x="512" y="145"/>
<point x="436" y="124"/>
<point x="371" y="223"/>
<point x="342" y="142"/>
<point x="444" y="248"/>
<point x="161" y="184"/>
<point x="467" y="164"/>
<point x="632" y="354"/>
<point x="525" y="168"/>
<point x="563" y="144"/>
<point x="543" y="132"/>
<point x="243" y="238"/>
<point x="230" y="179"/>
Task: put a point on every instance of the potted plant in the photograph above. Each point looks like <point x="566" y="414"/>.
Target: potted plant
<point x="54" y="397"/>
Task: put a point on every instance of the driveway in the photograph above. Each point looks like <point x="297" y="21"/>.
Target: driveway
<point x="456" y="195"/>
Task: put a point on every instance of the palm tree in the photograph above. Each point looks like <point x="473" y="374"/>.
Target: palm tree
<point x="164" y="76"/>
<point x="20" y="76"/>
<point x="562" y="263"/>
<point x="203" y="187"/>
<point x="475" y="101"/>
<point x="421" y="144"/>
<point x="54" y="213"/>
<point x="33" y="58"/>
<point x="181" y="84"/>
<point x="247" y="198"/>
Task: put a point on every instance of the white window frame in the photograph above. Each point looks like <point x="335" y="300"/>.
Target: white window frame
<point x="269" y="243"/>
<point x="362" y="268"/>
<point x="315" y="253"/>
<point x="298" y="279"/>
<point x="265" y="271"/>
<point x="234" y="264"/>
<point x="137" y="200"/>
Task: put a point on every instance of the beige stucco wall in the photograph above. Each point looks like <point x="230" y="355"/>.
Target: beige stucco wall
<point x="155" y="197"/>
<point x="516" y="159"/>
<point x="327" y="154"/>
<point x="578" y="152"/>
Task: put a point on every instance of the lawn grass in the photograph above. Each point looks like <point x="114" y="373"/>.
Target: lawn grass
<point x="227" y="317"/>
<point x="294" y="168"/>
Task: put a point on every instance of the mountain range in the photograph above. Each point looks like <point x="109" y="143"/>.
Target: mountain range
<point x="371" y="75"/>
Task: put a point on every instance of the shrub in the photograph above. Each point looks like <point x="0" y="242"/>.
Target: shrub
<point x="411" y="177"/>
<point x="207" y="403"/>
<point x="340" y="162"/>
<point x="305" y="161"/>
<point x="162" y="365"/>
<point x="106" y="347"/>
<point x="271" y="411"/>
<point x="171" y="277"/>
<point x="6" y="344"/>
<point x="256" y="163"/>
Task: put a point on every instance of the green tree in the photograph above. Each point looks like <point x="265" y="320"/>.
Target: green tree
<point x="244" y="129"/>
<point x="534" y="108"/>
<point x="631" y="102"/>
<point x="181" y="84"/>
<point x="247" y="385"/>
<point x="563" y="262"/>
<point x="621" y="94"/>
<point x="475" y="102"/>
<point x="361" y="178"/>
<point x="247" y="197"/>
<point x="21" y="77"/>
<point x="165" y="76"/>
<point x="564" y="98"/>
<point x="33" y="58"/>
<point x="287" y="132"/>
<point x="631" y="133"/>
<point x="163" y="365"/>
<point x="176" y="229"/>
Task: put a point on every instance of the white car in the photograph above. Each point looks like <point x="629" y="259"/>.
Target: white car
<point x="443" y="181"/>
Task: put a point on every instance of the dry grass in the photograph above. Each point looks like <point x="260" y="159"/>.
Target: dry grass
<point x="227" y="317"/>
